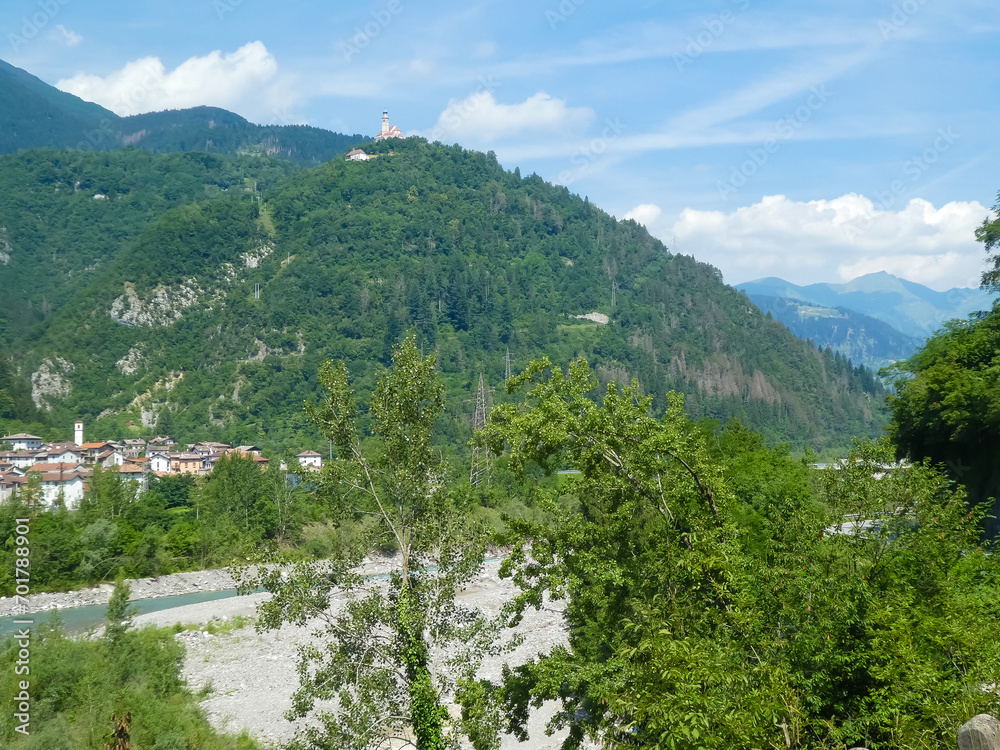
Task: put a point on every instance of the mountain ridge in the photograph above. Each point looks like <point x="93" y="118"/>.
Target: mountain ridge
<point x="909" y="307"/>
<point x="34" y="114"/>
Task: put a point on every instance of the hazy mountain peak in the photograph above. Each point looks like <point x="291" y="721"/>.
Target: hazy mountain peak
<point x="908" y="306"/>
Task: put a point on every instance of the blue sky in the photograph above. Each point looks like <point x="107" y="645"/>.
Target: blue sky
<point x="812" y="141"/>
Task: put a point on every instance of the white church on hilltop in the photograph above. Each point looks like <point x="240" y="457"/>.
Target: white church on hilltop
<point x="388" y="131"/>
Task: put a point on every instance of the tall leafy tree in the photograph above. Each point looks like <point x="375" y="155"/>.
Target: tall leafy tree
<point x="375" y="662"/>
<point x="946" y="406"/>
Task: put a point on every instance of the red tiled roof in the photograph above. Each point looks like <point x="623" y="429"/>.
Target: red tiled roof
<point x="63" y="466"/>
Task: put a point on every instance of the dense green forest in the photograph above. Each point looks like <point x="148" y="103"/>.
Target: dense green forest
<point x="65" y="215"/>
<point x="212" y="317"/>
<point x="218" y="131"/>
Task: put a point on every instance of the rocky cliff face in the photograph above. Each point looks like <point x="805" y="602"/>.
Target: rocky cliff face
<point x="132" y="362"/>
<point x="161" y="307"/>
<point x="50" y="381"/>
<point x="5" y="249"/>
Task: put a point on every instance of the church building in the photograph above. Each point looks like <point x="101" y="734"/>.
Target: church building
<point x="388" y="131"/>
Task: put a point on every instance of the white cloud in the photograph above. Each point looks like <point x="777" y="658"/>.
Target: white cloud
<point x="245" y="81"/>
<point x="68" y="37"/>
<point x="645" y="214"/>
<point x="836" y="240"/>
<point x="479" y="118"/>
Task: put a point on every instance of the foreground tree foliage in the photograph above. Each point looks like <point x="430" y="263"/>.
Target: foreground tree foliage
<point x="716" y="603"/>
<point x="947" y="405"/>
<point x="374" y="667"/>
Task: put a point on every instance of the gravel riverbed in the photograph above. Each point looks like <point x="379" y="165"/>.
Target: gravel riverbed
<point x="252" y="676"/>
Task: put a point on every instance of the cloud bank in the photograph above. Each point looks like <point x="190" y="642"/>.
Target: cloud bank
<point x="246" y="81"/>
<point x="832" y="240"/>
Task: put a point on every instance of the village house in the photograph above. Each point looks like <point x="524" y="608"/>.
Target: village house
<point x="185" y="463"/>
<point x="69" y="487"/>
<point x="208" y="448"/>
<point x="62" y="453"/>
<point x="135" y="473"/>
<point x="357" y="155"/>
<point x="310" y="460"/>
<point x="159" y="463"/>
<point x="45" y="468"/>
<point x="23" y="442"/>
<point x="251" y="452"/>
<point x="60" y="480"/>
<point x="110" y="458"/>
<point x="92" y="452"/>
<point x="10" y="482"/>
<point x="20" y="459"/>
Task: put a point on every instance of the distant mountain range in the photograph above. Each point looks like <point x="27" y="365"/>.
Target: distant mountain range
<point x="874" y="319"/>
<point x="33" y="114"/>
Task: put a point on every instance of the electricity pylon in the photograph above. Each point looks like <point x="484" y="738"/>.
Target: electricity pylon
<point x="480" y="455"/>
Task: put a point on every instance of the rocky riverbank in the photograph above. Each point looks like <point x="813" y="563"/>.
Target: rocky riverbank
<point x="150" y="588"/>
<point x="142" y="588"/>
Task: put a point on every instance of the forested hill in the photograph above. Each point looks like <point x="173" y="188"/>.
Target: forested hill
<point x="65" y="215"/>
<point x="170" y="331"/>
<point x="34" y="114"/>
